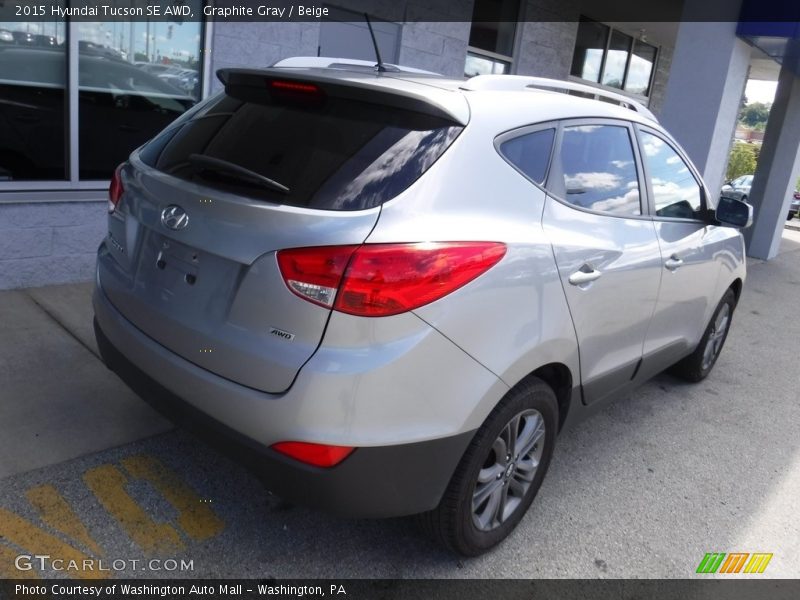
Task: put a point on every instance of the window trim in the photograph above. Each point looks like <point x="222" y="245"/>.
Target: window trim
<point x="651" y="202"/>
<point x="644" y="98"/>
<point x="10" y="190"/>
<point x="555" y="173"/>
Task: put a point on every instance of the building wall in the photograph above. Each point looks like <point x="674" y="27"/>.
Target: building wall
<point x="438" y="47"/>
<point x="663" y="64"/>
<point x="47" y="243"/>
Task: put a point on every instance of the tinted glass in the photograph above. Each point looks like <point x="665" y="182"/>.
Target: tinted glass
<point x="589" y="48"/>
<point x="530" y="153"/>
<point x="616" y="60"/>
<point x="494" y="23"/>
<point x="599" y="169"/>
<point x="135" y="78"/>
<point x="33" y="67"/>
<point x="483" y="65"/>
<point x="640" y="69"/>
<point x="336" y="155"/>
<point x="675" y="190"/>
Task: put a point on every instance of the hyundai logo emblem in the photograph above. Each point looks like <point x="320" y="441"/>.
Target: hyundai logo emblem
<point x="174" y="217"/>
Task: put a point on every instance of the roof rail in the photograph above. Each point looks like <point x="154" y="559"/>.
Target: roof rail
<point x="522" y="82"/>
<point x="325" y="62"/>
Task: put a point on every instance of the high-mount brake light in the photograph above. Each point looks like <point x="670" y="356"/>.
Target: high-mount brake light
<point x="115" y="189"/>
<point x="379" y="280"/>
<point x="294" y="86"/>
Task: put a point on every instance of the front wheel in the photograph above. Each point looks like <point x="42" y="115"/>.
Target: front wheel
<point x="499" y="474"/>
<point x="699" y="363"/>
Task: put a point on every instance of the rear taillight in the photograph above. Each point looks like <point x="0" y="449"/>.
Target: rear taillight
<point x="115" y="190"/>
<point x="314" y="274"/>
<point x="319" y="455"/>
<point x="378" y="280"/>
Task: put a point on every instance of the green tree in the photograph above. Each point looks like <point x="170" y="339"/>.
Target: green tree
<point x="755" y="113"/>
<point x="742" y="161"/>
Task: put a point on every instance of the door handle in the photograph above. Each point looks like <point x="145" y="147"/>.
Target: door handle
<point x="673" y="262"/>
<point x="586" y="275"/>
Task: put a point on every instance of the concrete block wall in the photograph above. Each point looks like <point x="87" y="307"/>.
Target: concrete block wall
<point x="49" y="242"/>
<point x="546" y="38"/>
<point x="435" y="46"/>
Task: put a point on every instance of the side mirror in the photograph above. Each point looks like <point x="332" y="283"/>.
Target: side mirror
<point x="734" y="212"/>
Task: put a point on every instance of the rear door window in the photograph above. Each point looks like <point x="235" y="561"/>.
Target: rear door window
<point x="332" y="154"/>
<point x="599" y="169"/>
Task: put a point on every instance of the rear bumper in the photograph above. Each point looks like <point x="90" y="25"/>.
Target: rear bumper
<point x="374" y="481"/>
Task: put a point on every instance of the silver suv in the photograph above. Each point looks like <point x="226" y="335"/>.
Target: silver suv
<point x="389" y="291"/>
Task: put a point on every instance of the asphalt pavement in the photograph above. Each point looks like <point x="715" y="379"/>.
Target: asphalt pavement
<point x="644" y="489"/>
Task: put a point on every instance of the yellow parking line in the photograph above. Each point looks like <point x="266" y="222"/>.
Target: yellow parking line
<point x="7" y="568"/>
<point x="108" y="484"/>
<point x="196" y="519"/>
<point x="55" y="511"/>
<point x="35" y="541"/>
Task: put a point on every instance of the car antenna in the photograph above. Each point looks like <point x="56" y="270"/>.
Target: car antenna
<point x="378" y="67"/>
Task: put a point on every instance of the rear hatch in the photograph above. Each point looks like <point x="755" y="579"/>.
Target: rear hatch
<point x="280" y="160"/>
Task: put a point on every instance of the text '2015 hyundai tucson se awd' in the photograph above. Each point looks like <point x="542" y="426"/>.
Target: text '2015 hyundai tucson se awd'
<point x="391" y="290"/>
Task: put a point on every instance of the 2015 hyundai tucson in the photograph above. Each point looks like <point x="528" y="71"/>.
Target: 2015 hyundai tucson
<point x="394" y="289"/>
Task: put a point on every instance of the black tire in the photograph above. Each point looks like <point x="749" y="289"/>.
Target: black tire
<point x="698" y="365"/>
<point x="452" y="523"/>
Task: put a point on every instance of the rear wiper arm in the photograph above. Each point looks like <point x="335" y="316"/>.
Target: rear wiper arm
<point x="223" y="166"/>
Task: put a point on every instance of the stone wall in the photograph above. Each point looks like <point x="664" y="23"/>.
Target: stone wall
<point x="49" y="242"/>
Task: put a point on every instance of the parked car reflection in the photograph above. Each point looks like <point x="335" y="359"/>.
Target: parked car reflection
<point x="120" y="107"/>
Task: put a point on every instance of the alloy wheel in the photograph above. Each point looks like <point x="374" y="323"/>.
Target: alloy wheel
<point x="717" y="336"/>
<point x="508" y="470"/>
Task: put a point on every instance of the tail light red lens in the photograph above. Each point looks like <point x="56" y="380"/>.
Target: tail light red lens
<point x="319" y="455"/>
<point x="385" y="279"/>
<point x="314" y="274"/>
<point x="115" y="190"/>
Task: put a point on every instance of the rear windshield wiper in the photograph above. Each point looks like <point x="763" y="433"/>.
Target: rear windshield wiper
<point x="223" y="166"/>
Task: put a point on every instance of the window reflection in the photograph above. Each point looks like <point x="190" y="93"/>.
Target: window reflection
<point x="135" y="78"/>
<point x="32" y="101"/>
<point x="599" y="169"/>
<point x="625" y="63"/>
<point x="483" y="65"/>
<point x="616" y="60"/>
<point x="641" y="69"/>
<point x="589" y="48"/>
<point x="675" y="190"/>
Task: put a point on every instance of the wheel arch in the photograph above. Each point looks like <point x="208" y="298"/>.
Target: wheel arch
<point x="736" y="286"/>
<point x="559" y="377"/>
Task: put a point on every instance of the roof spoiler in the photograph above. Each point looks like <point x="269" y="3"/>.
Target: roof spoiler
<point x="378" y="88"/>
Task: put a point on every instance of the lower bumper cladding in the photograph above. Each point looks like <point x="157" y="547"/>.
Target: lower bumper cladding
<point x="380" y="481"/>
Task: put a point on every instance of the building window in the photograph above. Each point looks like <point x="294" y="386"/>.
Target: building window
<point x="491" y="37"/>
<point x="613" y="59"/>
<point x="131" y="80"/>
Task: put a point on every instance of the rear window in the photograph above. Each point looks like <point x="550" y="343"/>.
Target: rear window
<point x="334" y="155"/>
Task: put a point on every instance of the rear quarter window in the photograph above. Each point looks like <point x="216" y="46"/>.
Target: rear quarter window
<point x="530" y="153"/>
<point x="334" y="155"/>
